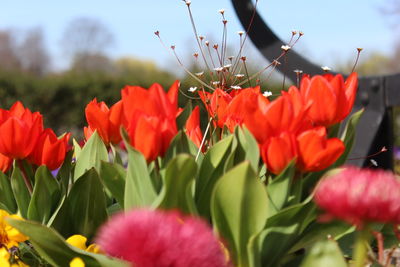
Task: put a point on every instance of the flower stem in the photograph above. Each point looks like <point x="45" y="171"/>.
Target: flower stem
<point x="360" y="248"/>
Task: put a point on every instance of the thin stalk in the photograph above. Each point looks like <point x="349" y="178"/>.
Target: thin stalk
<point x="361" y="248"/>
<point x="204" y="139"/>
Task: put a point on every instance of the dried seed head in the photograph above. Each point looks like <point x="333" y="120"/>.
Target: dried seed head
<point x="325" y="68"/>
<point x="192" y="89"/>
<point x="285" y="48"/>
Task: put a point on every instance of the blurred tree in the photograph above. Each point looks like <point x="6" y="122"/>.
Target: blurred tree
<point x="86" y="41"/>
<point x="9" y="60"/>
<point x="33" y="54"/>
<point x="89" y="62"/>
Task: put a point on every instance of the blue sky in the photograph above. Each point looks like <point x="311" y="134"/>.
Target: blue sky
<point x="333" y="29"/>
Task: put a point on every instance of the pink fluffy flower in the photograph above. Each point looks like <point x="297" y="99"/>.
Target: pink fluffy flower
<point x="360" y="196"/>
<point x="161" y="239"/>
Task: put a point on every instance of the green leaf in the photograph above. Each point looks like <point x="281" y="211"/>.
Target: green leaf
<point x="77" y="148"/>
<point x="53" y="248"/>
<point x="184" y="115"/>
<point x="239" y="209"/>
<point x="212" y="167"/>
<point x="317" y="231"/>
<point x="64" y="174"/>
<point x="45" y="197"/>
<point x="348" y="136"/>
<point x="113" y="177"/>
<point x="6" y="196"/>
<point x="87" y="204"/>
<point x="91" y="155"/>
<point x="139" y="189"/>
<point x="21" y="193"/>
<point x="180" y="144"/>
<point x="279" y="189"/>
<point x="178" y="181"/>
<point x="324" y="253"/>
<point x="248" y="147"/>
<point x="280" y="233"/>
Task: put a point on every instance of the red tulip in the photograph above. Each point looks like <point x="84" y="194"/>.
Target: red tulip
<point x="5" y="163"/>
<point x="278" y="151"/>
<point x="316" y="151"/>
<point x="20" y="130"/>
<point x="106" y="121"/>
<point x="50" y="150"/>
<point x="150" y="118"/>
<point x="216" y="104"/>
<point x="192" y="126"/>
<point x="331" y="98"/>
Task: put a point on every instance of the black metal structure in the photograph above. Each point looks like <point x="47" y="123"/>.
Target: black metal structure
<point x="378" y="95"/>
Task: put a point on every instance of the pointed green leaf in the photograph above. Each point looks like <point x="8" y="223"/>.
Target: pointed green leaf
<point x="247" y="148"/>
<point x="317" y="231"/>
<point x="279" y="189"/>
<point x="6" y="196"/>
<point x="91" y="155"/>
<point x="211" y="169"/>
<point x="77" y="148"/>
<point x="113" y="177"/>
<point x="348" y="136"/>
<point x="280" y="233"/>
<point x="53" y="248"/>
<point x="87" y="204"/>
<point x="64" y="174"/>
<point x="21" y="193"/>
<point x="184" y="115"/>
<point x="239" y="209"/>
<point x="325" y="253"/>
<point x="45" y="197"/>
<point x="178" y="178"/>
<point x="139" y="189"/>
<point x="180" y="144"/>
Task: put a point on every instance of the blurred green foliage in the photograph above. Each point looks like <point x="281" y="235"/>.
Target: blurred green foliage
<point x="62" y="97"/>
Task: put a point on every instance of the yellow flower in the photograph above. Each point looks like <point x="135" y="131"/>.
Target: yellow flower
<point x="77" y="262"/>
<point x="79" y="241"/>
<point x="9" y="236"/>
<point x="5" y="259"/>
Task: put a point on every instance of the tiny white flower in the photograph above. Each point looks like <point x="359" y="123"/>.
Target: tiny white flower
<point x="236" y="87"/>
<point x="240" y="33"/>
<point x="192" y="89"/>
<point x="373" y="162"/>
<point x="199" y="73"/>
<point x="285" y="47"/>
<point x="298" y="71"/>
<point x="227" y="66"/>
<point x="239" y="76"/>
<point x="188" y="2"/>
<point x="267" y="93"/>
<point x="216" y="83"/>
<point x="325" y="68"/>
<point x="222" y="11"/>
<point x="219" y="69"/>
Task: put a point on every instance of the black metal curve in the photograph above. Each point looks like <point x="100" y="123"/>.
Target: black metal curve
<point x="376" y="94"/>
<point x="268" y="43"/>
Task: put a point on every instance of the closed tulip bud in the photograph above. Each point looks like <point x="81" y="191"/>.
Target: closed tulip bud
<point x="106" y="121"/>
<point x="20" y="130"/>
<point x="50" y="150"/>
